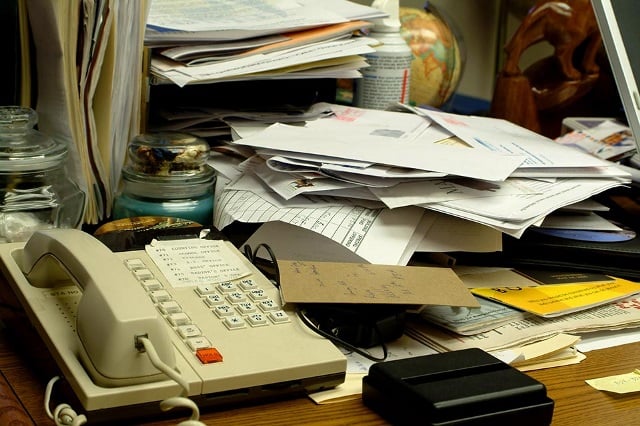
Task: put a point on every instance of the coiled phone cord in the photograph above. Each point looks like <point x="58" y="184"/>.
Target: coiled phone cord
<point x="64" y="415"/>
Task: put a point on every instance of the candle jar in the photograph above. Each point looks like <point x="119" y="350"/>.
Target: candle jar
<point x="35" y="191"/>
<point x="166" y="174"/>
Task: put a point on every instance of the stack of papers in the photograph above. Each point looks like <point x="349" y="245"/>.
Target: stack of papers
<point x="89" y="57"/>
<point x="532" y="328"/>
<point x="256" y="39"/>
<point x="540" y="321"/>
<point x="411" y="166"/>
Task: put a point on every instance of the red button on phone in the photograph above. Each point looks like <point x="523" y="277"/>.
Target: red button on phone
<point x="209" y="355"/>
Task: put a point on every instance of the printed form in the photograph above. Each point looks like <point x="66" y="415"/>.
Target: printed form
<point x="381" y="235"/>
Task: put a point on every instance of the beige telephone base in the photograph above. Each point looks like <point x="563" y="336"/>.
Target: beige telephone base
<point x="257" y="361"/>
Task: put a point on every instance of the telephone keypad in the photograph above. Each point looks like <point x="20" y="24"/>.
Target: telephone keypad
<point x="237" y="304"/>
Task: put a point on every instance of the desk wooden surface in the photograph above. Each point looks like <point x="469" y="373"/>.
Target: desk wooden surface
<point x="22" y="387"/>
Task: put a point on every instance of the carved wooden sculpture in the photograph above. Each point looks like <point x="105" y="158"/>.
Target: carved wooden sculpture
<point x="553" y="82"/>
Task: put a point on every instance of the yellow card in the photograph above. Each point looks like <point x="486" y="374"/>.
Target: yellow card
<point x="559" y="299"/>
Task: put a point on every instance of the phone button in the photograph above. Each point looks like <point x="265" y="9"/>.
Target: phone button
<point x="213" y="300"/>
<point x="133" y="264"/>
<point x="257" y="320"/>
<point x="169" y="307"/>
<point x="187" y="331"/>
<point x="159" y="296"/>
<point x="151" y="285"/>
<point x="234" y="322"/>
<point x="143" y="274"/>
<point x="224" y="310"/>
<point x="179" y="319"/>
<point x="208" y="355"/>
<point x="198" y="343"/>
<point x="278" y="317"/>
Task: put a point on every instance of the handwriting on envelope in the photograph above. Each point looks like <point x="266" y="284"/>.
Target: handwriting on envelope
<point x="335" y="282"/>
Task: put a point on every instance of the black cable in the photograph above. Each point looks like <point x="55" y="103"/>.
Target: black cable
<point x="306" y="321"/>
<point x="252" y="255"/>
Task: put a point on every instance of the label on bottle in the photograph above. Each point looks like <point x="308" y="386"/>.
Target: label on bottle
<point x="386" y="80"/>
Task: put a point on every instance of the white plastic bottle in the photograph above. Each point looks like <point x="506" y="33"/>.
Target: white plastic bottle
<point x="386" y="80"/>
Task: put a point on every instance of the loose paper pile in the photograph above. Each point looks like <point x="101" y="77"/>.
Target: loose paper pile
<point x="229" y="40"/>
<point x="410" y="165"/>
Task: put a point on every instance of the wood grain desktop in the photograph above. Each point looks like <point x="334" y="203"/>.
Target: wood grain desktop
<point x="25" y="368"/>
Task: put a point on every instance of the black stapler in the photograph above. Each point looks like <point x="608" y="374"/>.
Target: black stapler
<point x="465" y="387"/>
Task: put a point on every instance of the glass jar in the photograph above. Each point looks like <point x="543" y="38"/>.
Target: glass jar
<point x="35" y="190"/>
<point x="166" y="174"/>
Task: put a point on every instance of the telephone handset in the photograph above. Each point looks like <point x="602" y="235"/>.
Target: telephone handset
<point x="110" y="318"/>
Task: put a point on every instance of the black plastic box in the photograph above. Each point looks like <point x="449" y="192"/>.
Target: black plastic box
<point x="466" y="387"/>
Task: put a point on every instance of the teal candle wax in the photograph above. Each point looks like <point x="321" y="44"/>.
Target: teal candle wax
<point x="199" y="209"/>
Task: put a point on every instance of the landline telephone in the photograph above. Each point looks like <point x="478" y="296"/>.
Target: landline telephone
<point x="92" y="307"/>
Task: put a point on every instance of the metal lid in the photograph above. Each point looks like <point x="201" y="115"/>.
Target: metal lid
<point x="23" y="148"/>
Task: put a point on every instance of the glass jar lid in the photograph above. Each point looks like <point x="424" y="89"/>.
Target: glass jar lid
<point x="167" y="154"/>
<point x="22" y="148"/>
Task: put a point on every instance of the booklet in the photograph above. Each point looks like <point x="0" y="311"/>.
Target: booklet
<point x="553" y="300"/>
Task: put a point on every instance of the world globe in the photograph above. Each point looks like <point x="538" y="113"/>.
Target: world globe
<point x="438" y="59"/>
